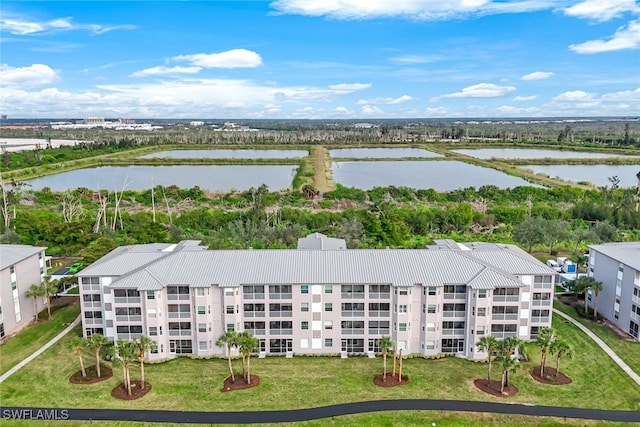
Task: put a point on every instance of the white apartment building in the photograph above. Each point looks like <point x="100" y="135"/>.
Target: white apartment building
<point x="617" y="267"/>
<point x="20" y="267"/>
<point x="320" y="298"/>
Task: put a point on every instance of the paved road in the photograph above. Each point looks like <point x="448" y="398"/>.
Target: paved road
<point x="39" y="351"/>
<point x="249" y="417"/>
<point x="612" y="354"/>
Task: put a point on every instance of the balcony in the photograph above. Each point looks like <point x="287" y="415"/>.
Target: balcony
<point x="452" y="313"/>
<point x="179" y="332"/>
<point x="352" y="331"/>
<point x="504" y="316"/>
<point x="455" y="296"/>
<point x="281" y="331"/>
<point x="179" y="315"/>
<point x="542" y="286"/>
<point x="379" y="313"/>
<point x="379" y="295"/>
<point x="504" y="334"/>
<point x="352" y="295"/>
<point x="92" y="321"/>
<point x="178" y="297"/>
<point x="127" y="300"/>
<point x="256" y="331"/>
<point x="540" y="319"/>
<point x="281" y="313"/>
<point x="255" y="296"/>
<point x="378" y="331"/>
<point x="280" y="296"/>
<point x="128" y="336"/>
<point x="541" y="302"/>
<point x="353" y="313"/>
<point x="91" y="304"/>
<point x="506" y="298"/>
<point x="133" y="318"/>
<point x="251" y="314"/>
<point x="453" y="332"/>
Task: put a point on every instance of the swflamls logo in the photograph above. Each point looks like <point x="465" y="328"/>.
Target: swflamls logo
<point x="35" y="414"/>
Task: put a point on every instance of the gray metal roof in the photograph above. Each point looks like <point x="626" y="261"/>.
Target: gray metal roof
<point x="12" y="254"/>
<point x="489" y="278"/>
<point x="625" y="252"/>
<point x="400" y="267"/>
<point x="320" y="241"/>
<point x="508" y="258"/>
<point x="125" y="259"/>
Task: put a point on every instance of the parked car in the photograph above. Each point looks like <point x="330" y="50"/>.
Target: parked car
<point x="75" y="267"/>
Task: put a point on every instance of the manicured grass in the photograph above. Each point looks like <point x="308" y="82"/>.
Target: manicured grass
<point x="34" y="337"/>
<point x="629" y="351"/>
<point x="74" y="291"/>
<point x="184" y="384"/>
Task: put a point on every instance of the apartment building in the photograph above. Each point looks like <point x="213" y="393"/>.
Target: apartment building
<point x="320" y="298"/>
<point x="617" y="267"/>
<point x="20" y="267"/>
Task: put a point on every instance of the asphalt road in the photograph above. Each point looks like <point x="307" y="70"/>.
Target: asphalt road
<point x="315" y="413"/>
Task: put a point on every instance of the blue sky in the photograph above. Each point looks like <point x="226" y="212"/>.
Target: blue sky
<point x="320" y="59"/>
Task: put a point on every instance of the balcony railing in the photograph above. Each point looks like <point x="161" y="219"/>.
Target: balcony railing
<point x="504" y="334"/>
<point x="544" y="302"/>
<point x="127" y="300"/>
<point x="505" y="298"/>
<point x="452" y="313"/>
<point x="455" y="296"/>
<point x="542" y="286"/>
<point x="254" y="313"/>
<point x="255" y="331"/>
<point x="379" y="295"/>
<point x="280" y="313"/>
<point x="504" y="316"/>
<point x="378" y="331"/>
<point x="177" y="297"/>
<point x="253" y="296"/>
<point x="280" y="296"/>
<point x="540" y="319"/>
<point x="352" y="331"/>
<point x="635" y="299"/>
<point x="352" y="313"/>
<point x="91" y="304"/>
<point x="352" y="295"/>
<point x="281" y="331"/>
<point x="127" y="318"/>
<point x="179" y="332"/>
<point x="453" y="332"/>
<point x="179" y="315"/>
<point x="91" y="321"/>
<point x="379" y="313"/>
<point x="128" y="336"/>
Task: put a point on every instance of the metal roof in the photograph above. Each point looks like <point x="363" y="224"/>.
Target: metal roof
<point x="320" y="241"/>
<point x="507" y="258"/>
<point x="625" y="252"/>
<point x="488" y="278"/>
<point x="12" y="254"/>
<point x="125" y="259"/>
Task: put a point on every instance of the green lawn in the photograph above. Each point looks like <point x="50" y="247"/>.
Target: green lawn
<point x="34" y="337"/>
<point x="629" y="351"/>
<point x="184" y="384"/>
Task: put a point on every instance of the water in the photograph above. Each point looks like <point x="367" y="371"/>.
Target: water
<point x="533" y="153"/>
<point x="228" y="154"/>
<point x="22" y="144"/>
<point x="439" y="175"/>
<point x="211" y="178"/>
<point x="380" y="153"/>
<point x="595" y="174"/>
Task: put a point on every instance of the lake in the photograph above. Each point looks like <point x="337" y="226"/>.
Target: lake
<point x="380" y="153"/>
<point x="21" y="144"/>
<point x="228" y="154"/>
<point x="595" y="174"/>
<point x="442" y="175"/>
<point x="533" y="153"/>
<point x="210" y="177"/>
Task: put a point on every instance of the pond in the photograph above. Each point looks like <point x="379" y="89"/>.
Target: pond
<point x="440" y="175"/>
<point x="228" y="154"/>
<point x="380" y="153"/>
<point x="595" y="174"/>
<point x="533" y="153"/>
<point x="210" y="177"/>
<point x="22" y="144"/>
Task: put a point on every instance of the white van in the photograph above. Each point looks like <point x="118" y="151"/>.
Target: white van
<point x="554" y="265"/>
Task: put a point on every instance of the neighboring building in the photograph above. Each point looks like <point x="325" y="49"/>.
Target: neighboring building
<point x="320" y="298"/>
<point x="20" y="267"/>
<point x="617" y="266"/>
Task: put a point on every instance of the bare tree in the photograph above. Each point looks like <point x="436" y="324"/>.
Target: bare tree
<point x="71" y="207"/>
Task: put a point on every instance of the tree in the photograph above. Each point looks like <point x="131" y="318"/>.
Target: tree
<point x="561" y="348"/>
<point x="77" y="346"/>
<point x="530" y="232"/>
<point x="583" y="285"/>
<point x="385" y="344"/>
<point x="489" y="344"/>
<point x="400" y="365"/>
<point x="142" y="345"/>
<point x="578" y="259"/>
<point x="509" y="364"/>
<point x="247" y="344"/>
<point x="34" y="292"/>
<point x="555" y="230"/>
<point x="124" y="354"/>
<point x="229" y="340"/>
<point x="49" y="288"/>
<point x="95" y="343"/>
<point x="544" y="340"/>
<point x="596" y="287"/>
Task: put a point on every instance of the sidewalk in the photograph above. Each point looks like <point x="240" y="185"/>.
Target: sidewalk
<point x="602" y="345"/>
<point x="40" y="350"/>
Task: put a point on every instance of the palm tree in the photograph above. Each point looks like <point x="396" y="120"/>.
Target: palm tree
<point x="77" y="346"/>
<point x="490" y="345"/>
<point x="142" y="345"/>
<point x="95" y="343"/>
<point x="561" y="348"/>
<point x="124" y="353"/>
<point x="585" y="284"/>
<point x="509" y="364"/>
<point x="596" y="288"/>
<point x="49" y="288"/>
<point x="545" y="339"/>
<point x="400" y="365"/>
<point x="229" y="340"/>
<point x="385" y="344"/>
<point x="578" y="259"/>
<point x="248" y="344"/>
<point x="34" y="292"/>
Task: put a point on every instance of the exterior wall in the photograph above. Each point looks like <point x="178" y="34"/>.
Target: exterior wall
<point x="16" y="309"/>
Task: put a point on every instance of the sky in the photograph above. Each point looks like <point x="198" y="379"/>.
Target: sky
<point x="320" y="59"/>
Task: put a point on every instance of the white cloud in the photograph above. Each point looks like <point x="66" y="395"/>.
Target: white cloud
<point x="162" y="70"/>
<point x="24" y="26"/>
<point x="626" y="37"/>
<point x="574" y="96"/>
<point x="405" y="9"/>
<point x="388" y="101"/>
<point x="626" y="96"/>
<point x="602" y="10"/>
<point x="525" y="98"/>
<point x="481" y="90"/>
<point x="537" y="75"/>
<point x="416" y="59"/>
<point x="349" y="87"/>
<point x="343" y="110"/>
<point x="235" y="58"/>
<point x="371" y="110"/>
<point x="33" y="75"/>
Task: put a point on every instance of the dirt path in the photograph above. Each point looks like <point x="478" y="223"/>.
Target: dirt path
<point x="322" y="167"/>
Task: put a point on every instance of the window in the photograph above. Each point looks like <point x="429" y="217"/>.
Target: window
<point x="430" y="345"/>
<point x="353" y="345"/>
<point x="304" y="289"/>
<point x="431" y="291"/>
<point x="180" y="346"/>
<point x="202" y="345"/>
<point x="482" y="311"/>
<point x="200" y="292"/>
<point x="255" y="328"/>
<point x="304" y="307"/>
<point x="280" y="345"/>
<point x="201" y="309"/>
<point x="374" y="346"/>
<point x="231" y="327"/>
<point x="403" y="292"/>
<point x="304" y="325"/>
<point x="328" y="306"/>
<point x="151" y="313"/>
<point x="452" y="345"/>
<point x="280" y="291"/>
<point x="253" y="310"/>
<point x="379" y="291"/>
<point x="352" y="291"/>
<point x="402" y="308"/>
<point x="480" y="330"/>
<point x="482" y="293"/>
<point x="431" y="308"/>
<point x="402" y="327"/>
<point x="228" y="292"/>
<point x="431" y="327"/>
<point x="328" y="342"/>
<point x="352" y="326"/>
<point x="151" y="295"/>
<point x="379" y="327"/>
<point x="328" y="324"/>
<point x="202" y="327"/>
<point x="153" y="331"/>
<point x="328" y="289"/>
<point x="253" y="291"/>
<point x="280" y="310"/>
<point x="177" y="292"/>
<point x="229" y="309"/>
<point x="633" y="328"/>
<point x="379" y="309"/>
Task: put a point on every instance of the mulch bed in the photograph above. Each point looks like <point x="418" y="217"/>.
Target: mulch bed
<point x="391" y="381"/>
<point x="92" y="375"/>
<point x="494" y="388"/>
<point x="120" y="392"/>
<point x="240" y="383"/>
<point x="549" y="376"/>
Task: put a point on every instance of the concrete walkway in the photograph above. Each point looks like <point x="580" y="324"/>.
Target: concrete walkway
<point x="40" y="350"/>
<point x="602" y="345"/>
